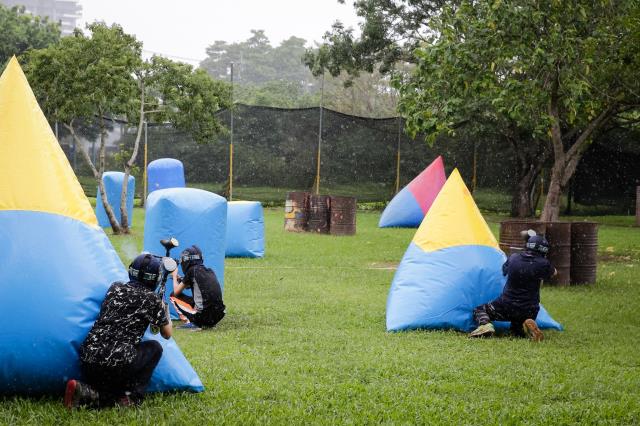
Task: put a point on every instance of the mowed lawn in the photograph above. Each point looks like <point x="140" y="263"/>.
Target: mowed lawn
<point x="304" y="342"/>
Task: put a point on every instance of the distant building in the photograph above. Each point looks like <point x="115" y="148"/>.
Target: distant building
<point x="65" y="12"/>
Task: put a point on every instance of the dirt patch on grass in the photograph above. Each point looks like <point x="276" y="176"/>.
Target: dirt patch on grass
<point x="390" y="266"/>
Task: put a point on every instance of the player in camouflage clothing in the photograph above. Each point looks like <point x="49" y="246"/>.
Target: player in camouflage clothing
<point x="115" y="363"/>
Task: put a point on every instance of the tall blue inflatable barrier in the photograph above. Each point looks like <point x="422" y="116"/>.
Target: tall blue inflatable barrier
<point x="165" y="173"/>
<point x="58" y="261"/>
<point x="245" y="229"/>
<point x="113" y="188"/>
<point x="452" y="265"/>
<point x="193" y="216"/>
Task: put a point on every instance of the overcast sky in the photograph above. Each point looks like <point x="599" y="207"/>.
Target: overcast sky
<point x="183" y="29"/>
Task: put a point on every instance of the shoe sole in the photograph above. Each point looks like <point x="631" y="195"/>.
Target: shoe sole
<point x="480" y="335"/>
<point x="69" y="392"/>
<point x="533" y="331"/>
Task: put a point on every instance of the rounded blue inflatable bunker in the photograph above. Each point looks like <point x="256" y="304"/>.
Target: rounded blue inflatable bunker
<point x="165" y="173"/>
<point x="193" y="216"/>
<point x="57" y="262"/>
<point x="54" y="300"/>
<point x="245" y="229"/>
<point x="113" y="188"/>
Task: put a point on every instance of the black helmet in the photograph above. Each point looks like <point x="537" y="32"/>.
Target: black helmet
<point x="145" y="269"/>
<point x="189" y="257"/>
<point x="537" y="244"/>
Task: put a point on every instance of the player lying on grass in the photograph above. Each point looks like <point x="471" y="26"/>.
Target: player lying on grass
<point x="205" y="308"/>
<point x="115" y="364"/>
<point x="519" y="302"/>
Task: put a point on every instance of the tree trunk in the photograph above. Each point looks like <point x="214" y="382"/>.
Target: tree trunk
<point x="124" y="215"/>
<point x="521" y="198"/>
<point x="115" y="226"/>
<point x="566" y="162"/>
<point x="531" y="156"/>
<point x="97" y="174"/>
<point x="551" y="210"/>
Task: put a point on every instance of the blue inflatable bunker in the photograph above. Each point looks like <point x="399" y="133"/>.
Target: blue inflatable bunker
<point x="113" y="188"/>
<point x="193" y="216"/>
<point x="245" y="229"/>
<point x="58" y="262"/>
<point x="452" y="265"/>
<point x="165" y="173"/>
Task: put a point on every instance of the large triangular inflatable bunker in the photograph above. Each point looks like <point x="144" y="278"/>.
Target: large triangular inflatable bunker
<point x="452" y="265"/>
<point x="411" y="204"/>
<point x="57" y="263"/>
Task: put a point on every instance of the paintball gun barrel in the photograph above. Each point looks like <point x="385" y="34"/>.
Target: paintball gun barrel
<point x="168" y="265"/>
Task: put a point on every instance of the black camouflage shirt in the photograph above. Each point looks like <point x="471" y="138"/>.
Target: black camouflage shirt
<point x="125" y="314"/>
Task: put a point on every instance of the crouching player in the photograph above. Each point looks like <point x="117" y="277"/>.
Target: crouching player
<point x="205" y="308"/>
<point x="519" y="302"/>
<point x="116" y="365"/>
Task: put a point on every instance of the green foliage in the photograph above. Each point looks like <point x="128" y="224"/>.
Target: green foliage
<point x="86" y="76"/>
<point x="22" y="31"/>
<point x="390" y="31"/>
<point x="500" y="60"/>
<point x="276" y="76"/>
<point x="189" y="98"/>
<point x="304" y="342"/>
<point x="257" y="62"/>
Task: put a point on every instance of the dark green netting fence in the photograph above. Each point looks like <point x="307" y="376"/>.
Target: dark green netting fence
<point x="275" y="151"/>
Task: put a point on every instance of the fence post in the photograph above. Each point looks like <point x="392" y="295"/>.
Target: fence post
<point x="398" y="156"/>
<point x="637" y="205"/>
<point x="319" y="136"/>
<point x="144" y="170"/>
<point x="231" y="141"/>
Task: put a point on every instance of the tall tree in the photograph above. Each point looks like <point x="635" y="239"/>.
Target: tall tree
<point x="559" y="71"/>
<point x="22" y="31"/>
<point x="87" y="78"/>
<point x="547" y="73"/>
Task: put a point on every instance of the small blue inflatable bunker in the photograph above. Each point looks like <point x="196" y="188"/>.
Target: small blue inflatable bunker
<point x="245" y="229"/>
<point x="113" y="188"/>
<point x="193" y="216"/>
<point x="57" y="261"/>
<point x="165" y="173"/>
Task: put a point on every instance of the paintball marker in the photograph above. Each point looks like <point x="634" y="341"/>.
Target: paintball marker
<point x="167" y="266"/>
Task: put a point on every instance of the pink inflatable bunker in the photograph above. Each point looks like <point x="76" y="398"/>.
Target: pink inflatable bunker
<point x="411" y="204"/>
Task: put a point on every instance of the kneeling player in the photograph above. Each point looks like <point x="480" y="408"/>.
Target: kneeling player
<point x="205" y="308"/>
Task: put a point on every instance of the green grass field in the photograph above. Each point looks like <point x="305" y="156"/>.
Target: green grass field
<point x="304" y="342"/>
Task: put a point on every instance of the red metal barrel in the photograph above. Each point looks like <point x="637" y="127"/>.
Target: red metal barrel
<point x="343" y="216"/>
<point x="584" y="252"/>
<point x="510" y="238"/>
<point x="559" y="236"/>
<point x="319" y="214"/>
<point x="296" y="211"/>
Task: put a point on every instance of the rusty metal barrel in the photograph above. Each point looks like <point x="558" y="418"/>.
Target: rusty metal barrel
<point x="319" y="214"/>
<point x="296" y="211"/>
<point x="584" y="252"/>
<point x="510" y="239"/>
<point x="637" y="205"/>
<point x="559" y="236"/>
<point x="343" y="216"/>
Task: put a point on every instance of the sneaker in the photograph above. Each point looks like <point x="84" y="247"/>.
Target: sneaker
<point x="532" y="331"/>
<point x="485" y="330"/>
<point x="189" y="326"/>
<point x="78" y="394"/>
<point x="125" y="401"/>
